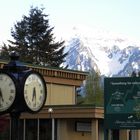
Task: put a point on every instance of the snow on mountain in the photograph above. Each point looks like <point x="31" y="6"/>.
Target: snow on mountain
<point x="109" y="54"/>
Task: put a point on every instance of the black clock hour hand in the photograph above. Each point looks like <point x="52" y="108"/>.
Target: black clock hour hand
<point x="1" y="96"/>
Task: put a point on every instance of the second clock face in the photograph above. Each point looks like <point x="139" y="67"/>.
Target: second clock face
<point x="34" y="92"/>
<point x="7" y="92"/>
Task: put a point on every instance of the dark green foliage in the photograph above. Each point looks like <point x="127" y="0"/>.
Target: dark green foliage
<point x="34" y="41"/>
<point x="4" y="54"/>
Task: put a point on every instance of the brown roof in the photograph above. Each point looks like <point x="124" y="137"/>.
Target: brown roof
<point x="71" y="111"/>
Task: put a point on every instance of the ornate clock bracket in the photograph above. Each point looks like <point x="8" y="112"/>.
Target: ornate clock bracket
<point x="15" y="65"/>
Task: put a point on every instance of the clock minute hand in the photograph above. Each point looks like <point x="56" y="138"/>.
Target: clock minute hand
<point x="34" y="95"/>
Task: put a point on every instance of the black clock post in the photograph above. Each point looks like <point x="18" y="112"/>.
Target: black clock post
<point x="21" y="90"/>
<point x="16" y="70"/>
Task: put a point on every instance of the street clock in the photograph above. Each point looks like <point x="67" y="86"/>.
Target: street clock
<point x="21" y="90"/>
<point x="34" y="91"/>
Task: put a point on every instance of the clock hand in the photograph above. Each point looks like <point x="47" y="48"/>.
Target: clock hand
<point x="1" y="96"/>
<point x="34" y="95"/>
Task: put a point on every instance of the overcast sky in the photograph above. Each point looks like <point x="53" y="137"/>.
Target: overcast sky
<point x="119" y="16"/>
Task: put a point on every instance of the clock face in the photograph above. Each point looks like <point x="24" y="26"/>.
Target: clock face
<point x="7" y="92"/>
<point x="34" y="92"/>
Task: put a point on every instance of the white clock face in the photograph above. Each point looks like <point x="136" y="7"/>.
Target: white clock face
<point x="7" y="92"/>
<point x="34" y="92"/>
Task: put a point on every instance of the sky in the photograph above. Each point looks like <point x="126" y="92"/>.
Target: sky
<point x="118" y="16"/>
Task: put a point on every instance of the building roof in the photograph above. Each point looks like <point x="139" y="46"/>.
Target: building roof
<point x="68" y="111"/>
<point x="56" y="75"/>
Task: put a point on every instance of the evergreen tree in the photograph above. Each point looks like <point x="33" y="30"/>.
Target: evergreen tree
<point x="34" y="41"/>
<point x="94" y="92"/>
<point x="4" y="54"/>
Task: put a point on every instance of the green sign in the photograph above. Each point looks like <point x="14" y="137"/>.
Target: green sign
<point x="122" y="102"/>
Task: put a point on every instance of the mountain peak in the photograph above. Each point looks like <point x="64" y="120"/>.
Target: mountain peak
<point x="101" y="50"/>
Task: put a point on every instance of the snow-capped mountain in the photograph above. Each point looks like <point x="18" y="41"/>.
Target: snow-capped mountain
<point x="109" y="54"/>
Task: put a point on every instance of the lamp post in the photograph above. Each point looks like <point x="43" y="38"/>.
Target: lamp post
<point x="50" y="111"/>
